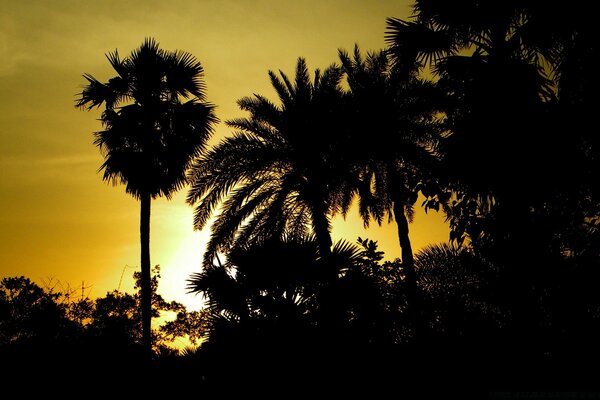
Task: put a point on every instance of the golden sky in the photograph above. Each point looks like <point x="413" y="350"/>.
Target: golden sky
<point x="58" y="220"/>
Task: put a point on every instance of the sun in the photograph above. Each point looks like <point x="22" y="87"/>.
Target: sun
<point x="177" y="248"/>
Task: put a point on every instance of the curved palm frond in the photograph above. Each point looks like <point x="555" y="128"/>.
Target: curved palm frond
<point x="184" y="75"/>
<point x="410" y="41"/>
<point x="345" y="253"/>
<point x="284" y="89"/>
<point x="265" y="177"/>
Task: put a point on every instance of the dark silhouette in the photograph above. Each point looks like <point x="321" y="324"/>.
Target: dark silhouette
<point x="497" y="137"/>
<point x="481" y="141"/>
<point x="500" y="101"/>
<point x="279" y="173"/>
<point x="51" y="335"/>
<point x="461" y="302"/>
<point x="117" y="317"/>
<point x="517" y="162"/>
<point x="29" y="313"/>
<point x="156" y="122"/>
<point x="393" y="133"/>
<point x="275" y="304"/>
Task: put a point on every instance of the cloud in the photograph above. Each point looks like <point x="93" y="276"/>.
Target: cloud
<point x="50" y="162"/>
<point x="11" y="53"/>
<point x="31" y="173"/>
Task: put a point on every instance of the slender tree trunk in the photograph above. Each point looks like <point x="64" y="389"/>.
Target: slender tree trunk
<point x="408" y="260"/>
<point x="398" y="196"/>
<point x="146" y="286"/>
<point x="408" y="265"/>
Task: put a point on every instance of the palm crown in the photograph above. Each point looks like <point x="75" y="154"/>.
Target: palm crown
<point x="277" y="173"/>
<point x="155" y="121"/>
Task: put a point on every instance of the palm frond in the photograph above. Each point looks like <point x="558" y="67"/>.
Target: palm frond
<point x="346" y="252"/>
<point x="259" y="128"/>
<point x="241" y="156"/>
<point x="217" y="285"/>
<point x="261" y="109"/>
<point x="282" y="88"/>
<point x="328" y="83"/>
<point x="255" y="229"/>
<point x="410" y="41"/>
<point x="409" y="211"/>
<point x="237" y="209"/>
<point x="150" y="136"/>
<point x="303" y="85"/>
<point x="94" y="94"/>
<point x="185" y="75"/>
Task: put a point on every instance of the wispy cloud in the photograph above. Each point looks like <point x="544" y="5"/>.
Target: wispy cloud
<point x="63" y="161"/>
<point x="11" y="54"/>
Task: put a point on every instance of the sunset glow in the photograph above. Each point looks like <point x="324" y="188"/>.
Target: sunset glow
<point x="57" y="218"/>
<point x="387" y="198"/>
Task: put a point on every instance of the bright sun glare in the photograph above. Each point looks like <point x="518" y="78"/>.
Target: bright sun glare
<point x="185" y="260"/>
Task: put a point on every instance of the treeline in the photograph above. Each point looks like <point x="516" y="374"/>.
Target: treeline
<point x="57" y="327"/>
<point x="482" y="108"/>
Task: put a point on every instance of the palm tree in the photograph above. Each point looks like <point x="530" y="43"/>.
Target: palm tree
<point x="155" y="123"/>
<point x="394" y="135"/>
<point x="277" y="279"/>
<point x="450" y="273"/>
<point x="277" y="174"/>
<point x="274" y="306"/>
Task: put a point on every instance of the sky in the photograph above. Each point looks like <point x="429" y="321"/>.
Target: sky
<point x="60" y="224"/>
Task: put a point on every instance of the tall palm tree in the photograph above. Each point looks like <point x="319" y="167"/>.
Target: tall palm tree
<point x="155" y="123"/>
<point x="278" y="172"/>
<point x="393" y="135"/>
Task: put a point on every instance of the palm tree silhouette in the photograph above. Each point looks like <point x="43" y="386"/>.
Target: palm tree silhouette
<point x="274" y="302"/>
<point x="457" y="283"/>
<point x="393" y="163"/>
<point x="276" y="279"/>
<point x="278" y="173"/>
<point x="155" y="123"/>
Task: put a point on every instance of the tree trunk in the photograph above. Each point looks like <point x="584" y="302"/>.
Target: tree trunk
<point x="408" y="260"/>
<point x="408" y="265"/>
<point x="146" y="286"/>
<point x="322" y="234"/>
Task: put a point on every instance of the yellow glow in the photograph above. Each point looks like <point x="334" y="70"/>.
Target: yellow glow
<point x="426" y="228"/>
<point x="57" y="218"/>
<point x="183" y="258"/>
